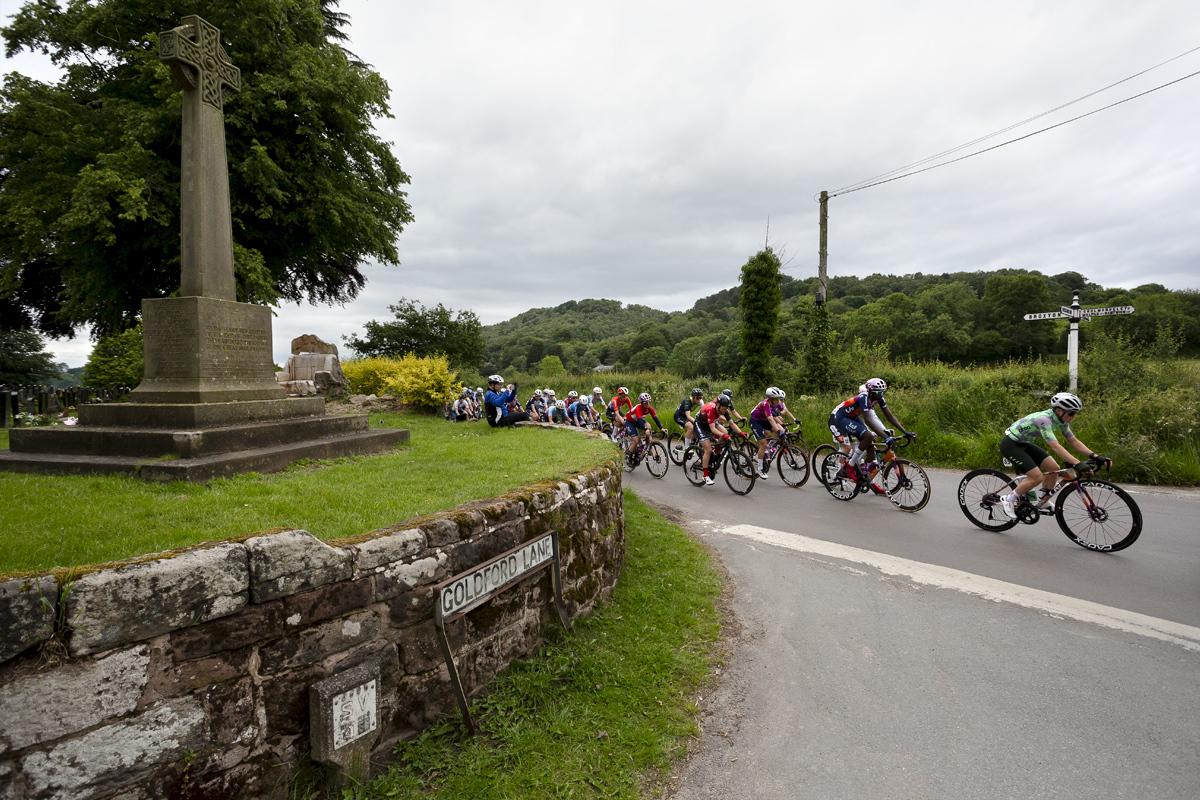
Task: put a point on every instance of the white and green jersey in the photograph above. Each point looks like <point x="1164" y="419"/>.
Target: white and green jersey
<point x="1040" y="424"/>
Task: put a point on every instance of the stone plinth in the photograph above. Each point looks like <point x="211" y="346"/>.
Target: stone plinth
<point x="204" y="350"/>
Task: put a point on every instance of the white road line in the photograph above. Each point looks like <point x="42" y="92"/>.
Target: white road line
<point x="987" y="588"/>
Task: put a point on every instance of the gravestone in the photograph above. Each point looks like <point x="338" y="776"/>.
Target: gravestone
<point x="209" y="404"/>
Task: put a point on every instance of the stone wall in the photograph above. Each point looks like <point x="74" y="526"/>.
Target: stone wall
<point x="186" y="674"/>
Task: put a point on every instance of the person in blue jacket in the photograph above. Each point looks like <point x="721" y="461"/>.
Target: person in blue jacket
<point x="496" y="400"/>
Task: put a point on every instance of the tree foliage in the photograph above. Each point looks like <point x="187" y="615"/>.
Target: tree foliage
<point x="24" y="360"/>
<point x="424" y="332"/>
<point x="89" y="165"/>
<point x="116" y="360"/>
<point x="758" y="300"/>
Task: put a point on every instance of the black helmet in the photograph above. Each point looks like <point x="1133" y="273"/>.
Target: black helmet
<point x="697" y="392"/>
<point x="725" y="400"/>
<point x="727" y="392"/>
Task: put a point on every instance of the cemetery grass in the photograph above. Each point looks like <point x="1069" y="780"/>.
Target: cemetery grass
<point x="51" y="522"/>
<point x="601" y="712"/>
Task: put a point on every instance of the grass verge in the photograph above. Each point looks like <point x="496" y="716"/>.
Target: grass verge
<point x="598" y="713"/>
<point x="63" y="521"/>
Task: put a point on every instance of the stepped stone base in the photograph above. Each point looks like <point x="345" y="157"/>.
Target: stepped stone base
<point x="193" y="442"/>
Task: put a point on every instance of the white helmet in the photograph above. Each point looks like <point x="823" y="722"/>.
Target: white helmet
<point x="1066" y="401"/>
<point x="644" y="397"/>
<point x="572" y="394"/>
<point x="560" y="404"/>
<point x="537" y="392"/>
<point x="775" y="393"/>
<point x="876" y="385"/>
<point x="495" y="379"/>
<point x="622" y="390"/>
<point x="597" y="390"/>
<point x="550" y="392"/>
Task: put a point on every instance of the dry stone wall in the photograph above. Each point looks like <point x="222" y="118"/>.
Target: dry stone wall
<point x="187" y="674"/>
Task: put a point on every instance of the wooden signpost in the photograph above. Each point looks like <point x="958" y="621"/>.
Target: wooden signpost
<point x="1076" y="314"/>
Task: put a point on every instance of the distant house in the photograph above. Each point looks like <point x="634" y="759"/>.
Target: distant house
<point x="601" y="368"/>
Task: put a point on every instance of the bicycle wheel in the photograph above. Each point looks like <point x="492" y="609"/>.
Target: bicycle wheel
<point x="657" y="460"/>
<point x="979" y="495"/>
<point x="818" y="458"/>
<point x="841" y="488"/>
<point x="906" y="484"/>
<point x="739" y="472"/>
<point x="676" y="445"/>
<point x="693" y="465"/>
<point x="792" y="465"/>
<point x="1098" y="515"/>
<point x="629" y="447"/>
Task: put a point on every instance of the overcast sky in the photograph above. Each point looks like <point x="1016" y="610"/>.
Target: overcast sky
<point x="635" y="151"/>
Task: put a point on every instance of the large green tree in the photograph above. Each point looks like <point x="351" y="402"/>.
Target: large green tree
<point x="23" y="358"/>
<point x="426" y="332"/>
<point x="758" y="300"/>
<point x="89" y="165"/>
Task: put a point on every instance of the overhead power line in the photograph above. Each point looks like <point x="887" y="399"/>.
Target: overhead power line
<point x="908" y="169"/>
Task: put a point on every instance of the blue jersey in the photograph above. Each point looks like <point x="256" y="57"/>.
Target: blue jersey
<point x="855" y="406"/>
<point x="576" y="411"/>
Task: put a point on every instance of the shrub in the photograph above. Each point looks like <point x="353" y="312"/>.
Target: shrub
<point x="370" y="375"/>
<point x="424" y="381"/>
<point x="116" y="360"/>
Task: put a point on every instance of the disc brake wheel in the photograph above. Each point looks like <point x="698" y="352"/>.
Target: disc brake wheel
<point x="841" y="487"/>
<point x="657" y="460"/>
<point x="693" y="465"/>
<point x="792" y="465"/>
<point x="676" y="445"/>
<point x="818" y="458"/>
<point x="906" y="484"/>
<point x="979" y="495"/>
<point x="1098" y="515"/>
<point x="739" y="472"/>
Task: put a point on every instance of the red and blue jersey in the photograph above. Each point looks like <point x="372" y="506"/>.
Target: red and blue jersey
<point x="855" y="406"/>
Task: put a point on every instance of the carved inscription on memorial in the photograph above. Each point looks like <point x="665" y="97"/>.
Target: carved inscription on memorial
<point x="234" y="351"/>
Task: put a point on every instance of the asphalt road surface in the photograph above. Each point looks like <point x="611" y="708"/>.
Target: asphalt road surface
<point x="885" y="654"/>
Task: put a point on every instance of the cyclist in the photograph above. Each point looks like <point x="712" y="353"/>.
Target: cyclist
<point x="709" y="427"/>
<point x="764" y="425"/>
<point x="845" y="420"/>
<point x="1017" y="446"/>
<point x="684" y="418"/>
<point x="462" y="406"/>
<point x="597" y="405"/>
<point x="634" y="422"/>
<point x="536" y="407"/>
<point x="576" y="409"/>
<point x="496" y="403"/>
<point x="733" y="412"/>
<point x="558" y="412"/>
<point x="613" y="409"/>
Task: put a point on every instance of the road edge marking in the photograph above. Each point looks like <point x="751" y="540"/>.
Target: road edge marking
<point x="998" y="591"/>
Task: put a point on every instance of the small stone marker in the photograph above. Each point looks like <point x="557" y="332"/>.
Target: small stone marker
<point x="344" y="712"/>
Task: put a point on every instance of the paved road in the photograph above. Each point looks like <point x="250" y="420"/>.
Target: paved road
<point x="884" y="654"/>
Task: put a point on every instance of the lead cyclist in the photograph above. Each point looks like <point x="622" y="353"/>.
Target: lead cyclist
<point x="1017" y="445"/>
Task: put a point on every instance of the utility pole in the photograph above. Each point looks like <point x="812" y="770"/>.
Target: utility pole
<point x="822" y="277"/>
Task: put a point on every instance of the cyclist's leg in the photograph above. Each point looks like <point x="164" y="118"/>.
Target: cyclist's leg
<point x="1027" y="458"/>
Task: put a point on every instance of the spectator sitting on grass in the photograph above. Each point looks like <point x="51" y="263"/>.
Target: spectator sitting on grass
<point x="496" y="403"/>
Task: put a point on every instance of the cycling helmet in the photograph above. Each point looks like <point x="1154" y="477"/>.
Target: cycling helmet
<point x="550" y="392"/>
<point x="725" y="400"/>
<point x="876" y="385"/>
<point x="644" y="397"/>
<point x="622" y="390"/>
<point x="571" y="395"/>
<point x="727" y="392"/>
<point x="597" y="390"/>
<point x="467" y="391"/>
<point x="537" y="392"/>
<point x="495" y="379"/>
<point x="560" y="404"/>
<point x="697" y="392"/>
<point x="775" y="393"/>
<point x="1066" y="401"/>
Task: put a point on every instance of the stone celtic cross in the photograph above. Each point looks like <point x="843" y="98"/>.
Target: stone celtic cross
<point x="193" y="52"/>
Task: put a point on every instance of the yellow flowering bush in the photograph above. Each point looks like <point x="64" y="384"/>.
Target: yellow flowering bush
<point x="370" y="375"/>
<point x="425" y="382"/>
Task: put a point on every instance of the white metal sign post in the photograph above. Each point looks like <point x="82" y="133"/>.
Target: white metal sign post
<point x="1076" y="314"/>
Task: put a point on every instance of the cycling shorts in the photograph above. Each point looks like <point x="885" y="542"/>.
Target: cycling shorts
<point x="1023" y="455"/>
<point x="847" y="425"/>
<point x="761" y="430"/>
<point x="681" y="420"/>
<point x="608" y="412"/>
<point x="633" y="426"/>
<point x="703" y="431"/>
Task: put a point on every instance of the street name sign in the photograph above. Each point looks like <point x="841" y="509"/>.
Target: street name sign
<point x="1076" y="314"/>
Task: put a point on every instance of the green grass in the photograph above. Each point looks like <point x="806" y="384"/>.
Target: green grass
<point x="64" y="521"/>
<point x="599" y="713"/>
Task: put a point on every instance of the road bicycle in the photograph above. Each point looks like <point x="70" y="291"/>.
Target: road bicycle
<point x="789" y="451"/>
<point x="654" y="455"/>
<point x="1093" y="513"/>
<point x="901" y="480"/>
<point x="737" y="467"/>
